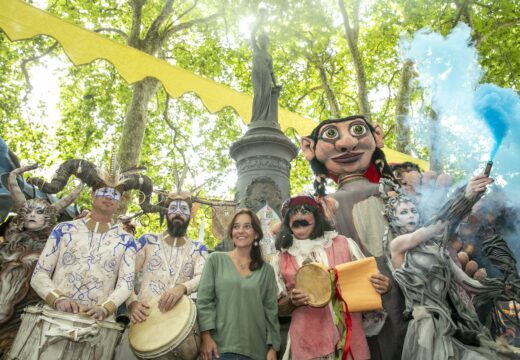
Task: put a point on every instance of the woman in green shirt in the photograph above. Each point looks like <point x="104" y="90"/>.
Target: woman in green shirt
<point x="237" y="298"/>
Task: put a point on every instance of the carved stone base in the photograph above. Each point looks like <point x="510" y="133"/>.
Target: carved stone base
<point x="263" y="158"/>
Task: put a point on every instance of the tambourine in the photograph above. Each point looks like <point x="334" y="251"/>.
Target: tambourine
<point x="353" y="280"/>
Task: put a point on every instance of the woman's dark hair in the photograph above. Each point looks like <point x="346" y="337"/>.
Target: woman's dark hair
<point x="378" y="159"/>
<point x="257" y="261"/>
<point x="284" y="238"/>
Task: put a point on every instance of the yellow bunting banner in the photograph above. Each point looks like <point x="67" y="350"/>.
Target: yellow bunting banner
<point x="21" y="21"/>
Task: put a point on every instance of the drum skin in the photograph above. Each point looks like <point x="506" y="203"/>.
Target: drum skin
<point x="170" y="335"/>
<point x="314" y="280"/>
<point x="47" y="334"/>
<point x="353" y="283"/>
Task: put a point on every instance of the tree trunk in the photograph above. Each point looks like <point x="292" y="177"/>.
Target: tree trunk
<point x="352" y="33"/>
<point x="135" y="123"/>
<point x="329" y="93"/>
<point x="133" y="130"/>
<point x="402" y="109"/>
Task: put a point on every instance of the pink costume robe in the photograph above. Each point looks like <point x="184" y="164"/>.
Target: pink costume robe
<point x="312" y="331"/>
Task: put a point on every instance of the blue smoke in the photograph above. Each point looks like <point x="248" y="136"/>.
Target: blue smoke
<point x="474" y="122"/>
<point x="449" y="71"/>
<point x="500" y="109"/>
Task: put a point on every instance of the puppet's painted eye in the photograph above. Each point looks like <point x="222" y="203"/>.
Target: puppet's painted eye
<point x="330" y="133"/>
<point x="358" y="130"/>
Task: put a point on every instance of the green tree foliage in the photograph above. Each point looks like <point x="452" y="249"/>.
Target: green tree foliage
<point x="312" y="60"/>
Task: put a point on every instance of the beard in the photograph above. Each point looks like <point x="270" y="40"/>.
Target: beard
<point x="177" y="229"/>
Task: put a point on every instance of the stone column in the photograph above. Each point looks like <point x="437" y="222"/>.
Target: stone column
<point x="263" y="158"/>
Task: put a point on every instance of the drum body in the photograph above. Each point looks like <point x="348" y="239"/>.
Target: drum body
<point x="170" y="335"/>
<point x="314" y="280"/>
<point x="353" y="282"/>
<point x="49" y="334"/>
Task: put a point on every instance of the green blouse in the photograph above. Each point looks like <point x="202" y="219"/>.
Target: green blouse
<point x="241" y="312"/>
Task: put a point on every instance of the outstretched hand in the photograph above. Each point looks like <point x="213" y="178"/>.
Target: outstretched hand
<point x="477" y="185"/>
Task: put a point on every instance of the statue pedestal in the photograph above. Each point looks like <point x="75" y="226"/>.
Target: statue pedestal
<point x="263" y="160"/>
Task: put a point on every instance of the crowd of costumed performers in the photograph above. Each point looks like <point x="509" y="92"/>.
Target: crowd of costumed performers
<point x="395" y="264"/>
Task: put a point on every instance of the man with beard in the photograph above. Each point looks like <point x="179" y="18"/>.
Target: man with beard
<point x="348" y="150"/>
<point x="170" y="263"/>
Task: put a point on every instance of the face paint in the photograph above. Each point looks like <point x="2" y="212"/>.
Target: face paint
<point x="109" y="193"/>
<point x="34" y="218"/>
<point x="179" y="208"/>
<point x="407" y="215"/>
<point x="345" y="147"/>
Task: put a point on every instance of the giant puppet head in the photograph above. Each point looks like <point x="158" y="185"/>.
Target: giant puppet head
<point x="338" y="148"/>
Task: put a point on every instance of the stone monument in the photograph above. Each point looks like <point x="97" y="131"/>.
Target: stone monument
<point x="263" y="155"/>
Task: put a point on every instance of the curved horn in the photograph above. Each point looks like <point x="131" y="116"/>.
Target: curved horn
<point x="16" y="193"/>
<point x="144" y="184"/>
<point x="65" y="201"/>
<point x="83" y="169"/>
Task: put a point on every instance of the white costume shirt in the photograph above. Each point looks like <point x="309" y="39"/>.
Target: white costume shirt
<point x="165" y="265"/>
<point x="90" y="268"/>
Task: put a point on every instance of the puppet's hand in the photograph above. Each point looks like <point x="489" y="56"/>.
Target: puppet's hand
<point x="477" y="185"/>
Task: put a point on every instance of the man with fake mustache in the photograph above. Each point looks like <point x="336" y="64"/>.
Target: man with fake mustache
<point x="348" y="150"/>
<point x="170" y="264"/>
<point x="306" y="236"/>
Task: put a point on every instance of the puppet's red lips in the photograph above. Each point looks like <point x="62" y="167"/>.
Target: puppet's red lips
<point x="347" y="158"/>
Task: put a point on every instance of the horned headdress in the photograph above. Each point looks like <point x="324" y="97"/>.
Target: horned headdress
<point x="21" y="204"/>
<point x="95" y="177"/>
<point x="165" y="198"/>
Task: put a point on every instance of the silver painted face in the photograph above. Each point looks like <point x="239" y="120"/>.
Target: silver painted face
<point x="35" y="218"/>
<point x="407" y="215"/>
